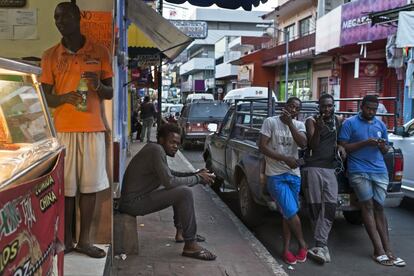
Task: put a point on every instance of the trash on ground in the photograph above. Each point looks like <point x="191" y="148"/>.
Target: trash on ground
<point x="291" y="267"/>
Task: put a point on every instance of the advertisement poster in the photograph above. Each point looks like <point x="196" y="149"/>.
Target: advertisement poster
<point x="32" y="226"/>
<point x="356" y="25"/>
<point x="97" y="26"/>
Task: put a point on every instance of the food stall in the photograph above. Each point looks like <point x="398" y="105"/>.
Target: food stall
<point x="31" y="177"/>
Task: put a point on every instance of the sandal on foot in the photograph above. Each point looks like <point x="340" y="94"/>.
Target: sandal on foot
<point x="199" y="238"/>
<point x="396" y="261"/>
<point x="91" y="251"/>
<point x="383" y="260"/>
<point x="68" y="250"/>
<point x="203" y="254"/>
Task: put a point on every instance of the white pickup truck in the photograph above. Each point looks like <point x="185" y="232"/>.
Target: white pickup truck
<point x="403" y="138"/>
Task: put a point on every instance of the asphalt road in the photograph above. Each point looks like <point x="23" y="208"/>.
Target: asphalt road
<point x="349" y="245"/>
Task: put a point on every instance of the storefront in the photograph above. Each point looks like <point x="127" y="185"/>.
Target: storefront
<point x="300" y="80"/>
<point x="362" y="58"/>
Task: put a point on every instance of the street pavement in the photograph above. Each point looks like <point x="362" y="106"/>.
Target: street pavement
<point x="238" y="251"/>
<point x="349" y="244"/>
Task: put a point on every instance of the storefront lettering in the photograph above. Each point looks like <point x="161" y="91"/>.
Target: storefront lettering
<point x="355" y="22"/>
<point x="8" y="254"/>
<point x="48" y="200"/>
<point x="44" y="185"/>
<point x="9" y="219"/>
<point x="23" y="270"/>
<point x="28" y="212"/>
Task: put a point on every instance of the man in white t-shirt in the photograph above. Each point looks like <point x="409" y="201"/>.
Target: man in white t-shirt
<point x="279" y="141"/>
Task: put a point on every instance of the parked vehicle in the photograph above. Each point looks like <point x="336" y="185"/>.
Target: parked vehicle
<point x="403" y="138"/>
<point x="232" y="154"/>
<point x="199" y="97"/>
<point x="200" y="118"/>
<point x="247" y="92"/>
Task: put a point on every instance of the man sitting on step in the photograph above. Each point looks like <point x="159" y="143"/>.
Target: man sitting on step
<point x="150" y="186"/>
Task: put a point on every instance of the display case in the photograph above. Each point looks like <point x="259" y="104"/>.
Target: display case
<point x="31" y="177"/>
<point x="27" y="136"/>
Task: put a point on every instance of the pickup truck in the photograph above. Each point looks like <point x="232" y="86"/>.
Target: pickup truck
<point x="403" y="138"/>
<point x="232" y="154"/>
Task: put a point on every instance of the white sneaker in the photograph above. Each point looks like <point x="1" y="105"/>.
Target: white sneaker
<point x="317" y="254"/>
<point x="327" y="255"/>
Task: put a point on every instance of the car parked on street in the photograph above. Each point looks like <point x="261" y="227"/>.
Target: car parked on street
<point x="200" y="118"/>
<point x="233" y="155"/>
<point x="403" y="138"/>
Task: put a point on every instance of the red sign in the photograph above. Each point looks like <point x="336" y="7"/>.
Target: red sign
<point x="32" y="225"/>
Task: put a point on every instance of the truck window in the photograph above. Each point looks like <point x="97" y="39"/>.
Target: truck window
<point x="226" y="128"/>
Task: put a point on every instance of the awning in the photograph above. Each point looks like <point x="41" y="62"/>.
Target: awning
<point x="137" y="38"/>
<point x="168" y="39"/>
<point x="227" y="4"/>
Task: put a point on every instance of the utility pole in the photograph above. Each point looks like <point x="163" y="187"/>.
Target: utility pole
<point x="287" y="64"/>
<point x="159" y="73"/>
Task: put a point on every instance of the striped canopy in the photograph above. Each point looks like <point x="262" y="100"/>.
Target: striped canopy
<point x="227" y="4"/>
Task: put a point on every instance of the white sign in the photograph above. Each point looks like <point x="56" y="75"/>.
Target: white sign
<point x="192" y="28"/>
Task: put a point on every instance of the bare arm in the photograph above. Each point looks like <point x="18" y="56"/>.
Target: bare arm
<point x="358" y="145"/>
<point x="298" y="136"/>
<point x="312" y="133"/>
<point x="105" y="90"/>
<point x="54" y="100"/>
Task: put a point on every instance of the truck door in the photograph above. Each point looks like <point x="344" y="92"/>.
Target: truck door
<point x="218" y="145"/>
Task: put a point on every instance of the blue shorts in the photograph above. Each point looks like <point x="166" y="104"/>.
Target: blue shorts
<point x="370" y="186"/>
<point x="284" y="189"/>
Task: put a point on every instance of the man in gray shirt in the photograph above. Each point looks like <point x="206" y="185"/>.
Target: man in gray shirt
<point x="149" y="186"/>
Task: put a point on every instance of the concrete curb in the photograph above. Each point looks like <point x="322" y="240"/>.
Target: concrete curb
<point x="258" y="248"/>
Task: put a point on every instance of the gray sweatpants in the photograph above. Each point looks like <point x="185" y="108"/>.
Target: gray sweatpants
<point x="180" y="198"/>
<point x="321" y="191"/>
<point x="146" y="128"/>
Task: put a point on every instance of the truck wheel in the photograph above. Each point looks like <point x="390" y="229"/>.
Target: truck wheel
<point x="250" y="211"/>
<point x="353" y="217"/>
<point x="218" y="181"/>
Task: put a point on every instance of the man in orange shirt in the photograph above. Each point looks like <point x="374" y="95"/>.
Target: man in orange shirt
<point x="82" y="132"/>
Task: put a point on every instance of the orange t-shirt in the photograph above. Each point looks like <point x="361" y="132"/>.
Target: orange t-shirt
<point x="63" y="69"/>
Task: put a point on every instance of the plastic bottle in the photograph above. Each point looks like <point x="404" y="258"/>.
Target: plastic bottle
<point x="83" y="91"/>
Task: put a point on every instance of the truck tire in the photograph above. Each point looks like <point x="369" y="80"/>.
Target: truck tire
<point x="250" y="211"/>
<point x="353" y="217"/>
<point x="218" y="182"/>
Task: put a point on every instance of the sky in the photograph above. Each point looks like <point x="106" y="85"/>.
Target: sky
<point x="185" y="10"/>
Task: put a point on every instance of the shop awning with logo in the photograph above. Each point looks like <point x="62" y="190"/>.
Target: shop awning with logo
<point x="157" y="30"/>
<point x="227" y="4"/>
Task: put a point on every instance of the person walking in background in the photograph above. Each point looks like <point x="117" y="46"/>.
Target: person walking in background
<point x="320" y="184"/>
<point x="67" y="67"/>
<point x="148" y="115"/>
<point x="365" y="139"/>
<point x="279" y="141"/>
<point x="381" y="110"/>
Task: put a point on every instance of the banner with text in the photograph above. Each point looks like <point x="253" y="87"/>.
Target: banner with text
<point x="32" y="225"/>
<point x="356" y="24"/>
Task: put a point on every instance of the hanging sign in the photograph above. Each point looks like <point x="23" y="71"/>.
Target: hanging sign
<point x="192" y="28"/>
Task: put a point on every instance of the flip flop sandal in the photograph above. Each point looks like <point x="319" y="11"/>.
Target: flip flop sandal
<point x="91" y="251"/>
<point x="397" y="261"/>
<point x="203" y="254"/>
<point x="199" y="238"/>
<point x="383" y="260"/>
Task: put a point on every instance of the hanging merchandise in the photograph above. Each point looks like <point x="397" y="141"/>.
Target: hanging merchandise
<point x="405" y="30"/>
<point x="409" y="77"/>
<point x="393" y="54"/>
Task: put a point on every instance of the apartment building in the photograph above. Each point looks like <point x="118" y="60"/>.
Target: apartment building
<point x="198" y="72"/>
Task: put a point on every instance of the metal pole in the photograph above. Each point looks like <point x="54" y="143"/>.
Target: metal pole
<point x="287" y="65"/>
<point x="159" y="96"/>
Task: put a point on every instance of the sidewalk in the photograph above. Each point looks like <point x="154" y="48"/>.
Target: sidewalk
<point x="238" y="251"/>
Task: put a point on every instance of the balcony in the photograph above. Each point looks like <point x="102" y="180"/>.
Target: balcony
<point x="225" y="70"/>
<point x="197" y="64"/>
<point x="299" y="47"/>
